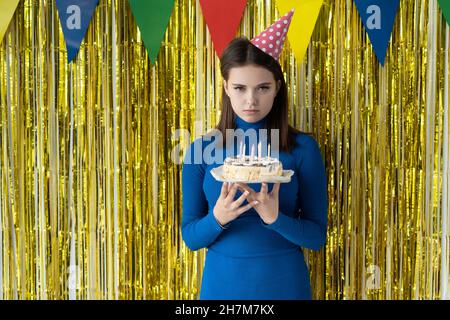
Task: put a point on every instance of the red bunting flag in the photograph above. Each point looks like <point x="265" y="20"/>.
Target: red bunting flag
<point x="222" y="19"/>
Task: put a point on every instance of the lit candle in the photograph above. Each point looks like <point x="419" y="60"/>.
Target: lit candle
<point x="259" y="150"/>
<point x="268" y="152"/>
<point x="253" y="152"/>
<point x="240" y="150"/>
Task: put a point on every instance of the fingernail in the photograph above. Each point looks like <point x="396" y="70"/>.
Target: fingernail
<point x="246" y="193"/>
<point x="255" y="202"/>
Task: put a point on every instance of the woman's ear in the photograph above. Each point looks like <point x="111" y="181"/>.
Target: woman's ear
<point x="225" y="87"/>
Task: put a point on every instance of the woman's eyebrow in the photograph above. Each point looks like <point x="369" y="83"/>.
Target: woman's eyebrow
<point x="261" y="84"/>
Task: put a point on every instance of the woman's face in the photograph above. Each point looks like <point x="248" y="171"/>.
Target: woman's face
<point x="251" y="90"/>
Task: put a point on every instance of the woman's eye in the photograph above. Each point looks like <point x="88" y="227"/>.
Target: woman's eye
<point x="265" y="88"/>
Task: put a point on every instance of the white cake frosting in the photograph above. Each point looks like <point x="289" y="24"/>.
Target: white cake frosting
<point x="247" y="168"/>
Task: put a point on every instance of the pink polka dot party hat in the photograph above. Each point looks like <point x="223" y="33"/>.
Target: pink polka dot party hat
<point x="272" y="39"/>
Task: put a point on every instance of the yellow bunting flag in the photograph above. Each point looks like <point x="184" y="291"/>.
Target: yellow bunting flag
<point x="7" y="9"/>
<point x="302" y="25"/>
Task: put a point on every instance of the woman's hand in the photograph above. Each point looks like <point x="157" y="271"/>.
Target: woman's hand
<point x="267" y="206"/>
<point x="226" y="209"/>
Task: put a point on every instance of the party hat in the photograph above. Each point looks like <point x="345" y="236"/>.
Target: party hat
<point x="272" y="39"/>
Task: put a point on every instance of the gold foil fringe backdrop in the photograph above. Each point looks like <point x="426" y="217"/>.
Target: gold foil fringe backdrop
<point x="90" y="199"/>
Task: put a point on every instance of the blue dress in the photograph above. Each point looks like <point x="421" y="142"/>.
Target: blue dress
<point x="250" y="259"/>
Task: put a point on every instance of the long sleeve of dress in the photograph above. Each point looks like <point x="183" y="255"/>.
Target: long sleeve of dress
<point x="198" y="227"/>
<point x="309" y="230"/>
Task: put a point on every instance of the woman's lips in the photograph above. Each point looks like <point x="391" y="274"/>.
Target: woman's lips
<point x="251" y="111"/>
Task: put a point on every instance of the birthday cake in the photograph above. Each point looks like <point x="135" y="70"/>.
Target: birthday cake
<point x="248" y="168"/>
<point x="252" y="167"/>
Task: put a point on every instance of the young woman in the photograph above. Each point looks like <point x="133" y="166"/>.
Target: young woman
<point x="255" y="233"/>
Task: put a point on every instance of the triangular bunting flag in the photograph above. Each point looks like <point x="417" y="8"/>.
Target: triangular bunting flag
<point x="445" y="7"/>
<point x="222" y="19"/>
<point x="302" y="26"/>
<point x="152" y="18"/>
<point x="378" y="18"/>
<point x="7" y="9"/>
<point x="75" y="17"/>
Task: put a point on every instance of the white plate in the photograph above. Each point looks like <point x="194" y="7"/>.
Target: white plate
<point x="285" y="178"/>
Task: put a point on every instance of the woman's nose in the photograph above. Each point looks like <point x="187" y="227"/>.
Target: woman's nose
<point x="251" y="98"/>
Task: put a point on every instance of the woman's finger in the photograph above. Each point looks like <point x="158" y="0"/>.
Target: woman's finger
<point x="246" y="207"/>
<point x="224" y="190"/>
<point x="245" y="187"/>
<point x="240" y="200"/>
<point x="276" y="188"/>
<point x="243" y="184"/>
<point x="264" y="188"/>
<point x="232" y="193"/>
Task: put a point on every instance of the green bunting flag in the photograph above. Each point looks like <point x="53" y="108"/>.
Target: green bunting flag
<point x="445" y="7"/>
<point x="152" y="18"/>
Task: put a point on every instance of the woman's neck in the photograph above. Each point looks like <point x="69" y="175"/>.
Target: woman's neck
<point x="244" y="125"/>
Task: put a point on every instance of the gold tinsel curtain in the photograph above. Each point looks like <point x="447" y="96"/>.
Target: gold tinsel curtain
<point x="90" y="194"/>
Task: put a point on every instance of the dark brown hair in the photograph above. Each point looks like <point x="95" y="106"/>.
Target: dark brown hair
<point x="241" y="52"/>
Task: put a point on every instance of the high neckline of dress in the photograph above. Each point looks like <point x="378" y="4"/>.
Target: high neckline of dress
<point x="244" y="125"/>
